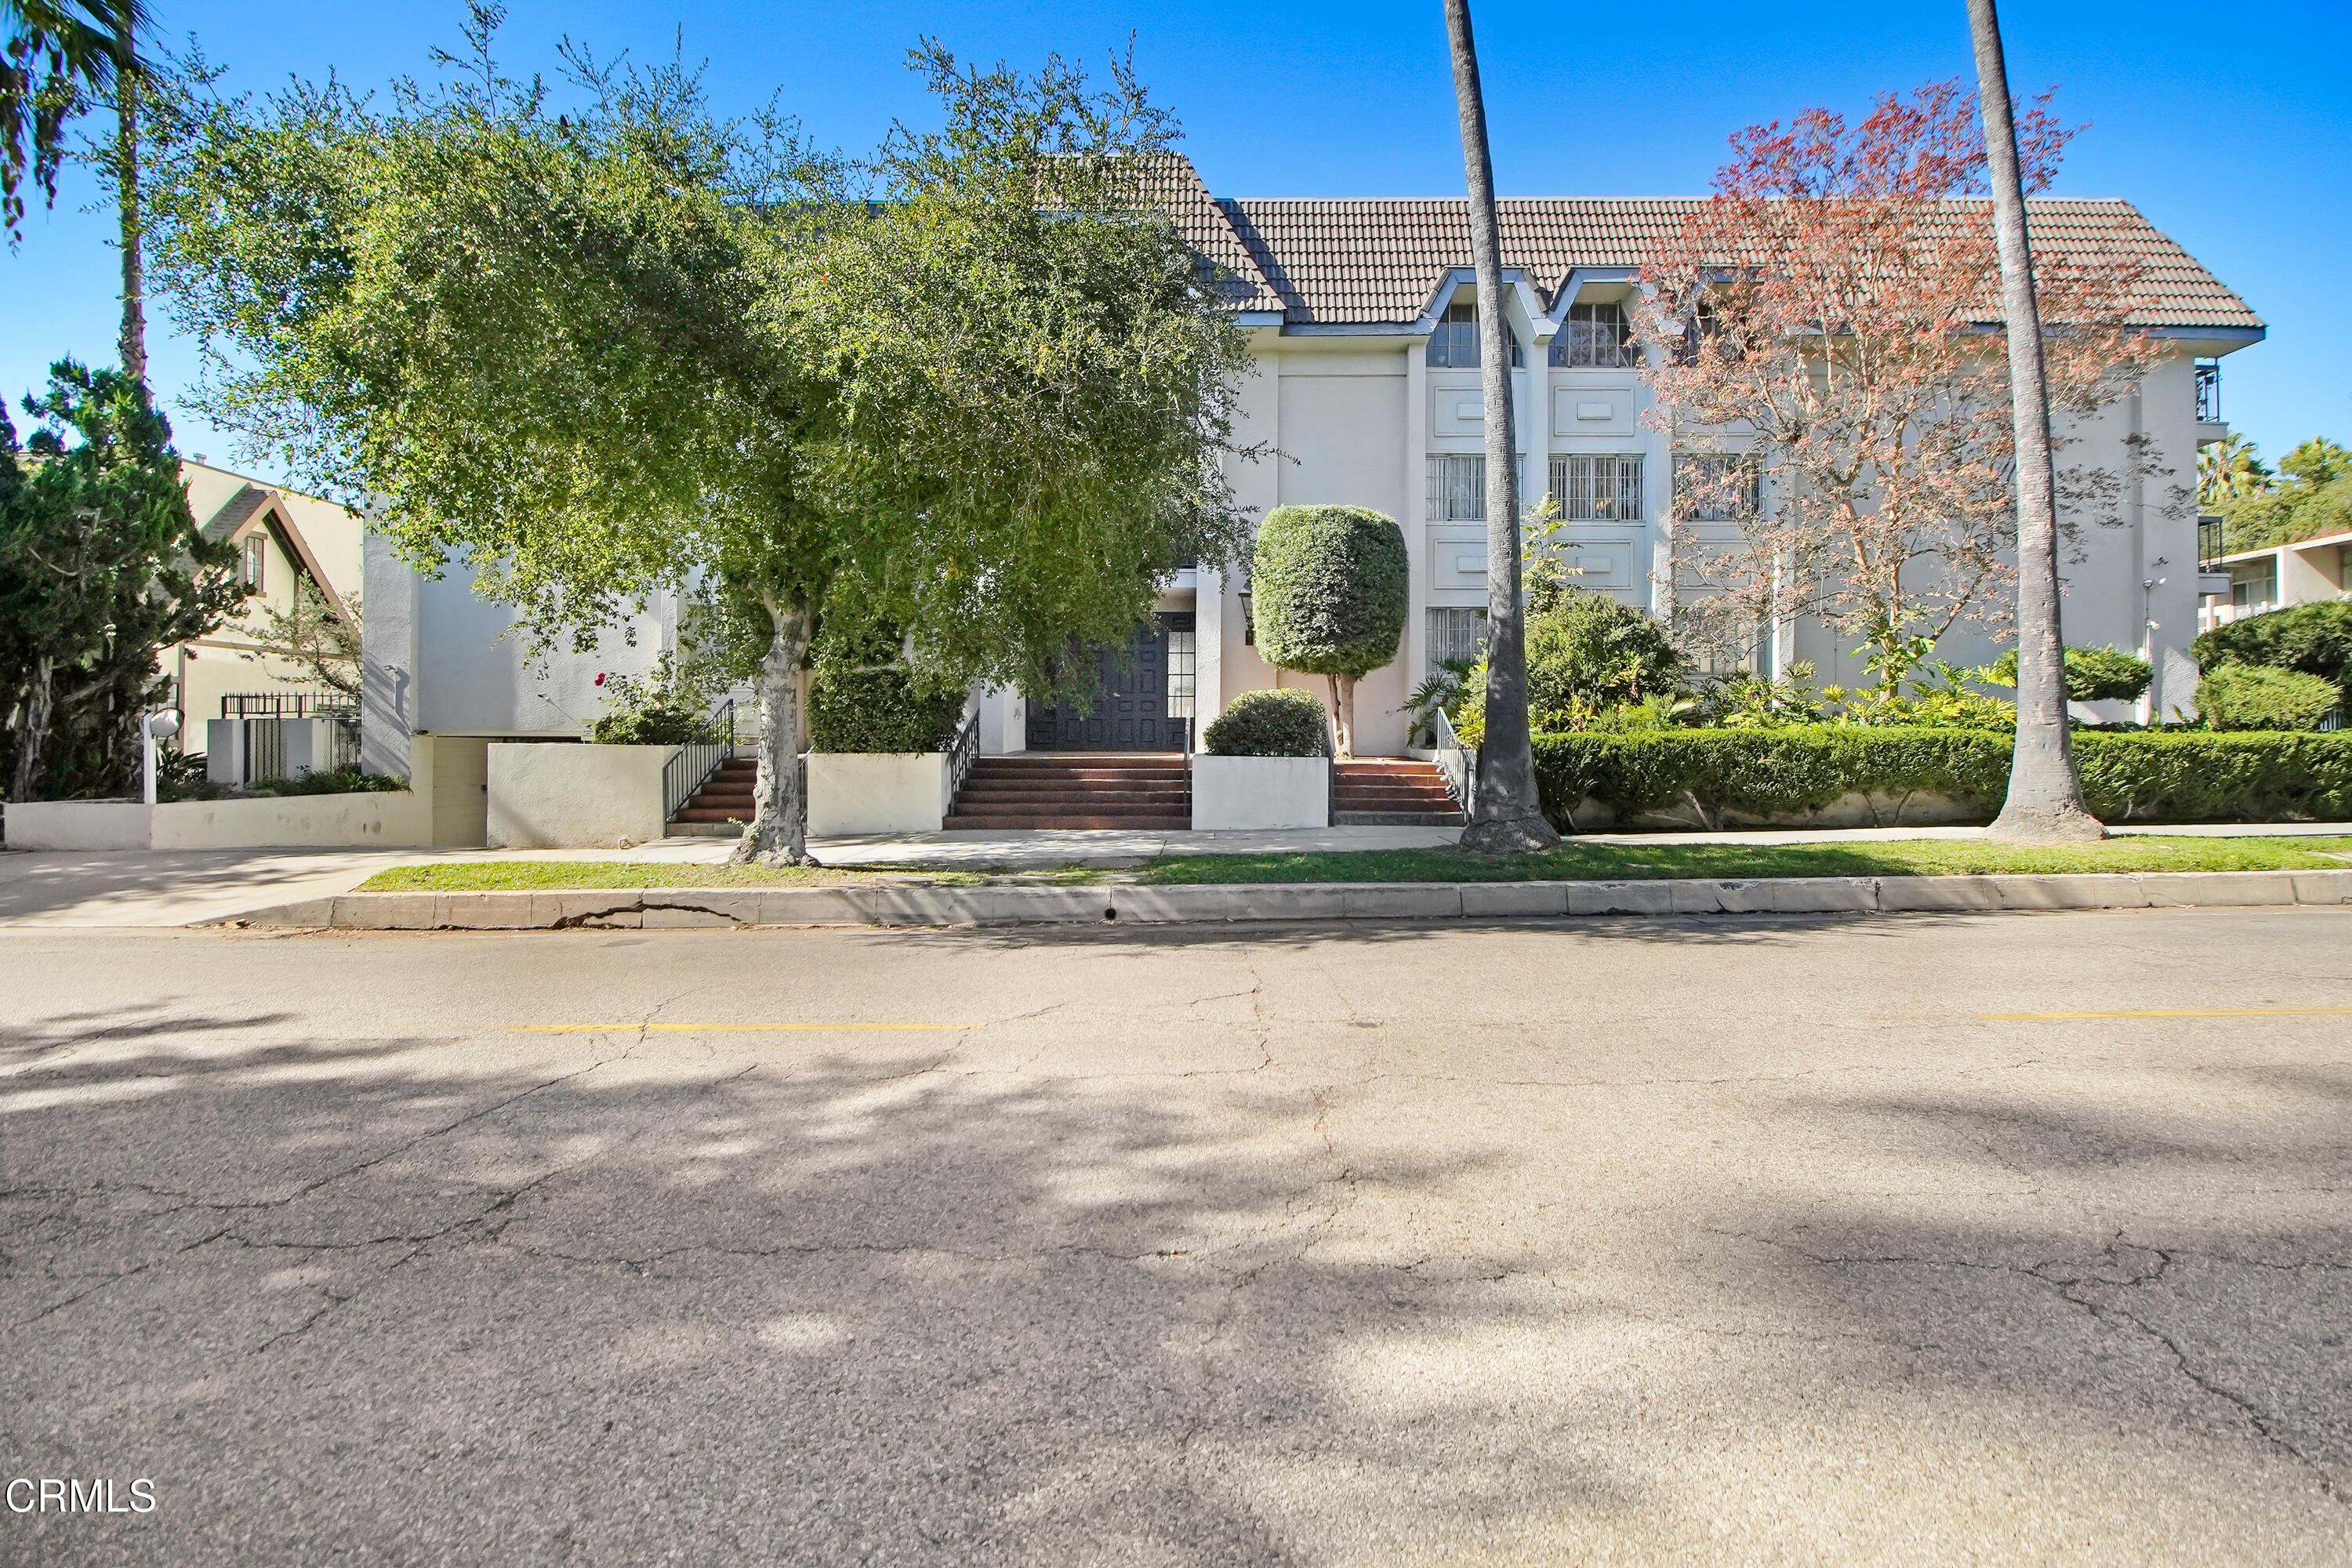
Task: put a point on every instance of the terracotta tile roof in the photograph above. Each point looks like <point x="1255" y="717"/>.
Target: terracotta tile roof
<point x="1378" y="261"/>
<point x="1173" y="184"/>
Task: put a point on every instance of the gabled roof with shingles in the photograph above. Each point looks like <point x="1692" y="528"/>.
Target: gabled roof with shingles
<point x="1173" y="184"/>
<point x="234" y="513"/>
<point x="1371" y="262"/>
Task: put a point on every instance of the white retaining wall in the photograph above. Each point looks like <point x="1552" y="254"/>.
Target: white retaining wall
<point x="1260" y="792"/>
<point x="877" y="792"/>
<point x="559" y="795"/>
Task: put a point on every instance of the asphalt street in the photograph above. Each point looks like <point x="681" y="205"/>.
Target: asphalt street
<point x="1708" y="1241"/>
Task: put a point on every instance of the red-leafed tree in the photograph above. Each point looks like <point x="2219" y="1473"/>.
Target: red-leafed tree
<point x="1832" y="317"/>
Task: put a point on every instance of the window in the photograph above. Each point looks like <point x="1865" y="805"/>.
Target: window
<point x="1182" y="672"/>
<point x="1601" y="489"/>
<point x="1716" y="487"/>
<point x="256" y="555"/>
<point x="1454" y="345"/>
<point x="1595" y="337"/>
<point x="1456" y="632"/>
<point x="1457" y="488"/>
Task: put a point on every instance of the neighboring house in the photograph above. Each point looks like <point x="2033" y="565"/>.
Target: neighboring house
<point x="2308" y="572"/>
<point x="1362" y="318"/>
<point x="282" y="538"/>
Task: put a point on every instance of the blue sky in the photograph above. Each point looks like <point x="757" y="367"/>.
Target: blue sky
<point x="2231" y="129"/>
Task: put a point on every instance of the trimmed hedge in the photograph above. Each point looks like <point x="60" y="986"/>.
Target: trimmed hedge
<point x="2315" y="640"/>
<point x="1329" y="589"/>
<point x="1780" y="773"/>
<point x="878" y="711"/>
<point x="2263" y="696"/>
<point x="1285" y="724"/>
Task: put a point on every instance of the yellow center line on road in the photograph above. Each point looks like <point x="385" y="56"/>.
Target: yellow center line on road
<point x="2175" y="1013"/>
<point x="724" y="1028"/>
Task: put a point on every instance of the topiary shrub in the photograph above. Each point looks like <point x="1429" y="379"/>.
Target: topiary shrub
<point x="1328" y="596"/>
<point x="862" y="700"/>
<point x="1268" y="724"/>
<point x="2314" y="639"/>
<point x="2092" y="674"/>
<point x="2259" y="697"/>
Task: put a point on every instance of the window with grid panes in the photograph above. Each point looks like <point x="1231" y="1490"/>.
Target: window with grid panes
<point x="1716" y="487"/>
<point x="1595" y="337"/>
<point x="1454" y="345"/>
<point x="1455" y="632"/>
<point x="1457" y="488"/>
<point x="1601" y="487"/>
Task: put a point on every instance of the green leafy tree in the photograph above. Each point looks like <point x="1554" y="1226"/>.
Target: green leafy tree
<point x="632" y="345"/>
<point x="102" y="565"/>
<point x="2313" y="496"/>
<point x="1329" y="591"/>
<point x="323" y="642"/>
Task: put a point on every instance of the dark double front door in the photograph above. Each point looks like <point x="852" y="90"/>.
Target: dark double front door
<point x="1130" y="708"/>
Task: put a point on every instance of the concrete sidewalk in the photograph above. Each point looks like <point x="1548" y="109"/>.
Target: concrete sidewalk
<point x="170" y="888"/>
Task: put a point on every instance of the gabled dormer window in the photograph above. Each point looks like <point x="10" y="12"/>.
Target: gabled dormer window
<point x="1595" y="337"/>
<point x="1454" y="345"/>
<point x="257" y="560"/>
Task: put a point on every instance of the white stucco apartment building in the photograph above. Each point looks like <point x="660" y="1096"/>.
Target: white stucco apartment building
<point x="1360" y="312"/>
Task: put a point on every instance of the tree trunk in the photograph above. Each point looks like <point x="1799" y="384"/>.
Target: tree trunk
<point x="2045" y="794"/>
<point x="778" y="834"/>
<point x="33" y="738"/>
<point x="1508" y="818"/>
<point x="133" y="345"/>
<point x="1343" y="712"/>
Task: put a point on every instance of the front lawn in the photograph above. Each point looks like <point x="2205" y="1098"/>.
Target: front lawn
<point x="1576" y="862"/>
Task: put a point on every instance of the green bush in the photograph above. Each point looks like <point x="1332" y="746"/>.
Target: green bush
<point x="2313" y="639"/>
<point x="1287" y="723"/>
<point x="345" y="781"/>
<point x="853" y="708"/>
<point x="2179" y="776"/>
<point x="660" y="725"/>
<point x="1587" y="652"/>
<point x="1328" y="596"/>
<point x="2092" y="674"/>
<point x="2261" y="697"/>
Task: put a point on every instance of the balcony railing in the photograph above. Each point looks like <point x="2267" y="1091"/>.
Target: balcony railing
<point x="2211" y="539"/>
<point x="2208" y="392"/>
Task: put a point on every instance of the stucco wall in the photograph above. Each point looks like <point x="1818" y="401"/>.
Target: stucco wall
<point x="877" y="792"/>
<point x="384" y="819"/>
<point x="1231" y="793"/>
<point x="559" y="796"/>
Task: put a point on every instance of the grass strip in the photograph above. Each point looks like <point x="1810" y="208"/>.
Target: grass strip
<point x="536" y="876"/>
<point x="1576" y="862"/>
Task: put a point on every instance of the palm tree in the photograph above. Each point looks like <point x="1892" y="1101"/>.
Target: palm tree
<point x="1506" y="816"/>
<point x="55" y="52"/>
<point x="2230" y="470"/>
<point x="2046" y="792"/>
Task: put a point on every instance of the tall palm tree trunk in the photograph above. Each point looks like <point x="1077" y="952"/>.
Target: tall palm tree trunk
<point x="2046" y="792"/>
<point x="127" y="208"/>
<point x="1506" y="815"/>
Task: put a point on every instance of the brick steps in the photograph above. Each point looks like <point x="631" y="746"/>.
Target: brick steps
<point x="726" y="801"/>
<point x="1135" y="791"/>
<point x="1392" y="792"/>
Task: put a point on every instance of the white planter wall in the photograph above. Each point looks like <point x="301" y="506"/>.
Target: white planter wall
<point x="390" y="819"/>
<point x="877" y="792"/>
<point x="1260" y="792"/>
<point x="556" y="796"/>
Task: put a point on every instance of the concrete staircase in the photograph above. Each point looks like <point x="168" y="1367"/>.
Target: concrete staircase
<point x="721" y="807"/>
<point x="1143" y="791"/>
<point x="1392" y="792"/>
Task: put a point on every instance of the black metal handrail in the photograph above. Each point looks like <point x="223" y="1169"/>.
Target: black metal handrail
<point x="2212" y="538"/>
<point x="964" y="750"/>
<point x="690" y="767"/>
<point x="2208" y="392"/>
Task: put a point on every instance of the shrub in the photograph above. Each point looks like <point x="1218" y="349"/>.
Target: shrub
<point x="2177" y="776"/>
<point x="2314" y="639"/>
<point x="871" y="709"/>
<point x="345" y="781"/>
<point x="1587" y="651"/>
<point x="664" y="707"/>
<point x="658" y="725"/>
<point x="1328" y="596"/>
<point x="2261" y="697"/>
<point x="2092" y="674"/>
<point x="1286" y="724"/>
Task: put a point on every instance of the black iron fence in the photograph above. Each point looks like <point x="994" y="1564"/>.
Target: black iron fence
<point x="2208" y="392"/>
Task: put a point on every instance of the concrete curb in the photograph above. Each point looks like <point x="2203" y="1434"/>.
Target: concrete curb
<point x="905" y="904"/>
